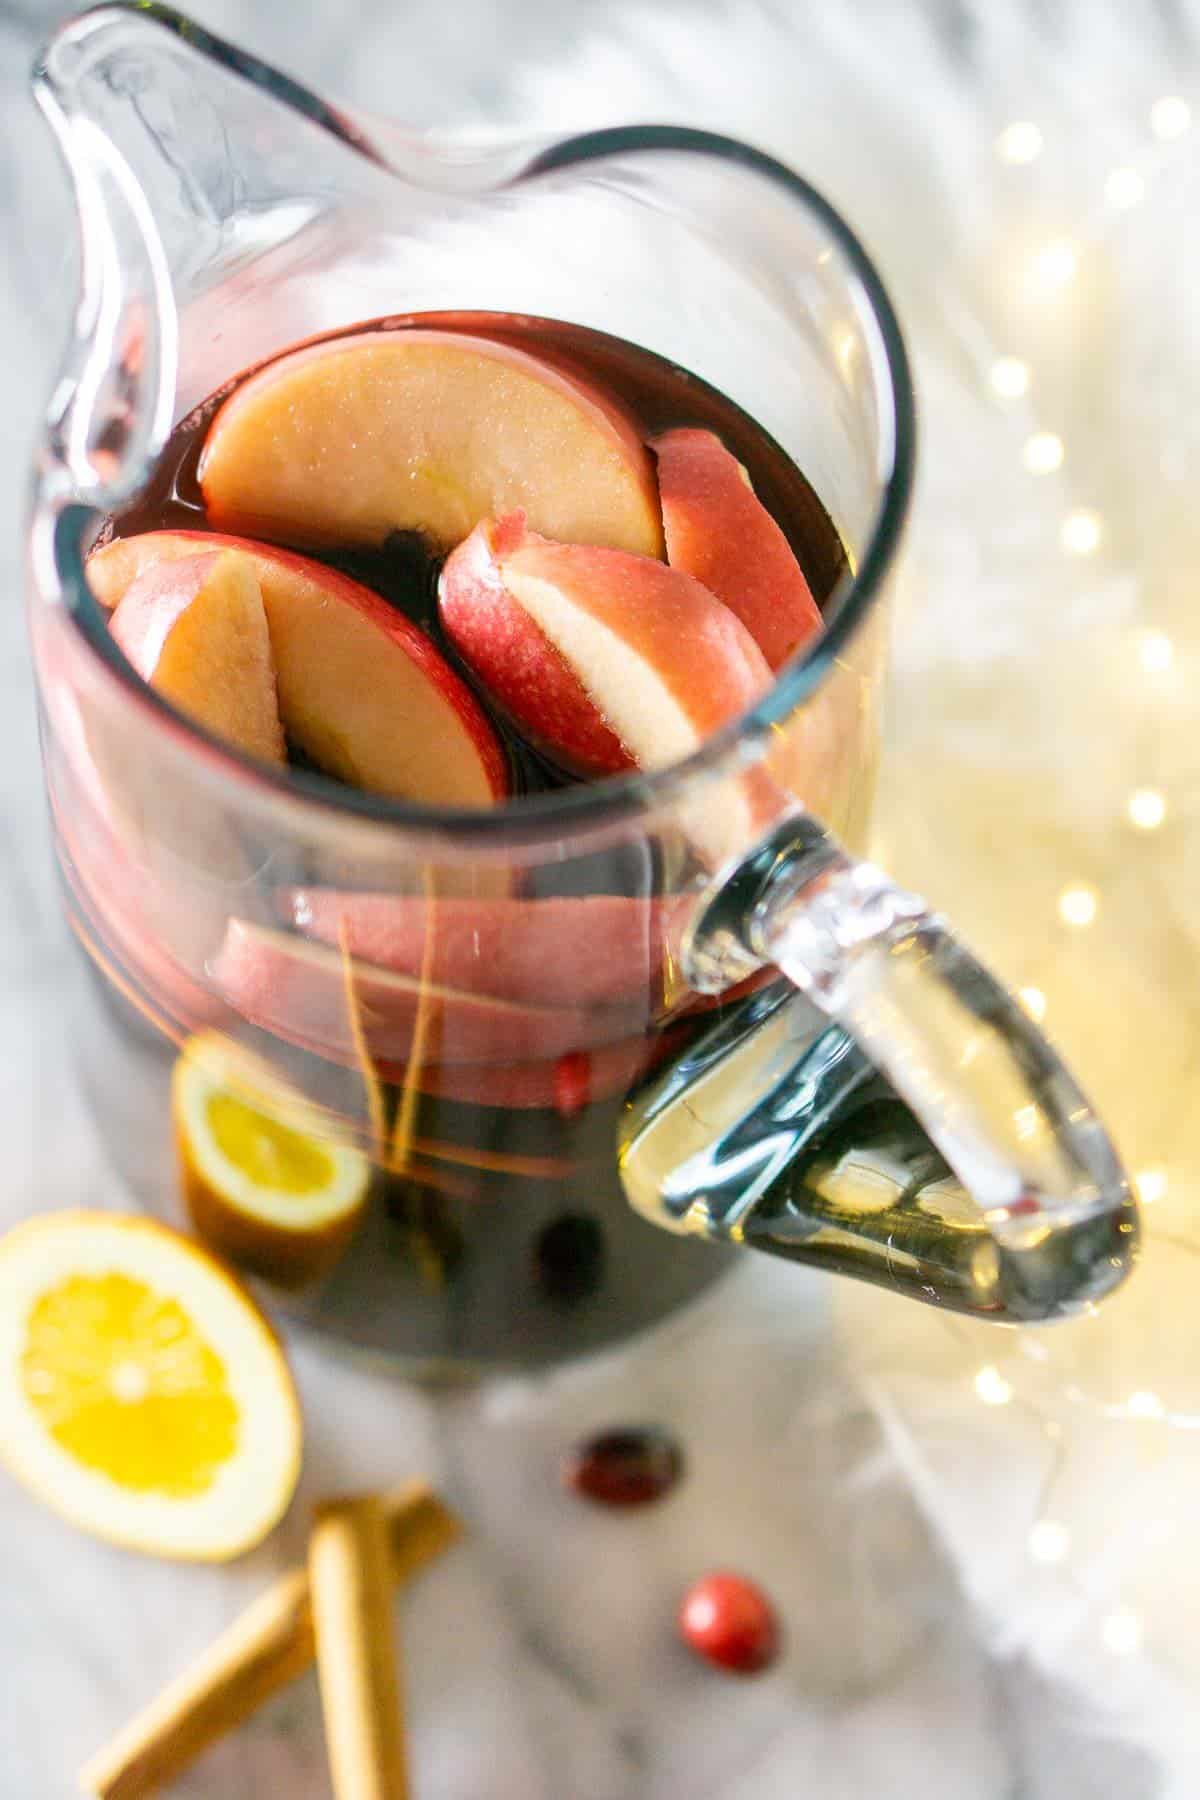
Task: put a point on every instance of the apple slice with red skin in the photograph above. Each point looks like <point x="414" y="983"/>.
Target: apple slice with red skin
<point x="196" y="631"/>
<point x="607" y="660"/>
<point x="361" y="690"/>
<point x="349" y="440"/>
<point x="298" y="989"/>
<point x="718" y="530"/>
<point x="113" y="909"/>
<point x="555" y="951"/>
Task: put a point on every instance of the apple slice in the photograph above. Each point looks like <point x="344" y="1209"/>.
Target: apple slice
<point x="197" y="632"/>
<point x="109" y="921"/>
<point x="361" y="690"/>
<point x="557" y="951"/>
<point x="299" y="990"/>
<point x="347" y="441"/>
<point x="605" y="659"/>
<point x="719" y="531"/>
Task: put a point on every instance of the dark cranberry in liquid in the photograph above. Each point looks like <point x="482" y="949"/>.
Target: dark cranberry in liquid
<point x="630" y="1466"/>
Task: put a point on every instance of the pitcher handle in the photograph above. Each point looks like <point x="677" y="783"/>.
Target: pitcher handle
<point x="987" y="1088"/>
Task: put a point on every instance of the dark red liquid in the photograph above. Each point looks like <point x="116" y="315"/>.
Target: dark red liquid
<point x="515" y="1240"/>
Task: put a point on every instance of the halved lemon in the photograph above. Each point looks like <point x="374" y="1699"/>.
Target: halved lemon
<point x="268" y="1178"/>
<point x="142" y="1394"/>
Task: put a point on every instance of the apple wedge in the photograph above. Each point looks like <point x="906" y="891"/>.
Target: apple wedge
<point x="350" y="440"/>
<point x="302" y="991"/>
<point x="606" y="660"/>
<point x="361" y="690"/>
<point x="197" y="632"/>
<point x="109" y="921"/>
<point x="556" y="951"/>
<point x="719" y="531"/>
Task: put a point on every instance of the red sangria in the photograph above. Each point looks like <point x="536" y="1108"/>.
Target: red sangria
<point x="456" y="562"/>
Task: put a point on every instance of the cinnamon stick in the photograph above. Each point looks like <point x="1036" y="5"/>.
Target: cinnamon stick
<point x="356" y="1653"/>
<point x="262" y="1651"/>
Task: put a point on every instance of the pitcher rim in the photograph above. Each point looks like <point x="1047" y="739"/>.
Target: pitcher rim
<point x="742" y="741"/>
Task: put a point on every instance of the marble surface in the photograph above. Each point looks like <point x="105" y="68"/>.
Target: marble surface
<point x="840" y="1447"/>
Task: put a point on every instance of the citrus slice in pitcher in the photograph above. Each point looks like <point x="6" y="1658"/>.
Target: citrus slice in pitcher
<point x="142" y="1394"/>
<point x="268" y="1179"/>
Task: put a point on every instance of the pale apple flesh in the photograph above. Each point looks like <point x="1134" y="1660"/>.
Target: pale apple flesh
<point x="304" y="992"/>
<point x="653" y="662"/>
<point x="352" y="439"/>
<point x="114" y="919"/>
<point x="361" y="690"/>
<point x="719" y="531"/>
<point x="557" y="951"/>
<point x="196" y="631"/>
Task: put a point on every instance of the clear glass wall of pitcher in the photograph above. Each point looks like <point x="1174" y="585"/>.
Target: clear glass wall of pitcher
<point x="711" y="1017"/>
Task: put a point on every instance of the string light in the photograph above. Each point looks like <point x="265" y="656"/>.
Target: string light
<point x="1144" y="1405"/>
<point x="1020" y="142"/>
<point x="1048" y="1541"/>
<point x="991" y="1386"/>
<point x="1034" y="1002"/>
<point x="1055" y="265"/>
<point x="1170" y="117"/>
<point x="1122" y="1632"/>
<point x="1147" y="808"/>
<point x="1156" y="652"/>
<point x="1151" y="1185"/>
<point x="1124" y="188"/>
<point x="1077" y="905"/>
<point x="1081" y="532"/>
<point x="1009" y="377"/>
<point x="1043" y="453"/>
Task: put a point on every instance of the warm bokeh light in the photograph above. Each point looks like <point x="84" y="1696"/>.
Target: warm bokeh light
<point x="1144" y="1405"/>
<point x="1077" y="904"/>
<point x="1081" y="532"/>
<point x="1124" y="188"/>
<point x="1020" y="142"/>
<point x="1055" y="265"/>
<point x="1155" y="651"/>
<point x="1009" y="377"/>
<point x="1043" y="453"/>
<point x="1170" y="117"/>
<point x="1049" y="1541"/>
<point x="1147" y="808"/>
<point x="1122" y="1632"/>
<point x="1034" y="1002"/>
<point x="1151" y="1185"/>
<point x="991" y="1386"/>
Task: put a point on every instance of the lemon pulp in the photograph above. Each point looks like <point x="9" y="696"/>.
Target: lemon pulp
<point x="125" y="1384"/>
<point x="270" y="1154"/>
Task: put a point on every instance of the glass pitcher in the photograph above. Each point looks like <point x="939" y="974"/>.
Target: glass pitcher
<point x="675" y="1000"/>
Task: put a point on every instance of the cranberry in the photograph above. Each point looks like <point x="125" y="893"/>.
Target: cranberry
<point x="728" y="1621"/>
<point x="626" y="1467"/>
<point x="569" y="1257"/>
<point x="572" y="1083"/>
